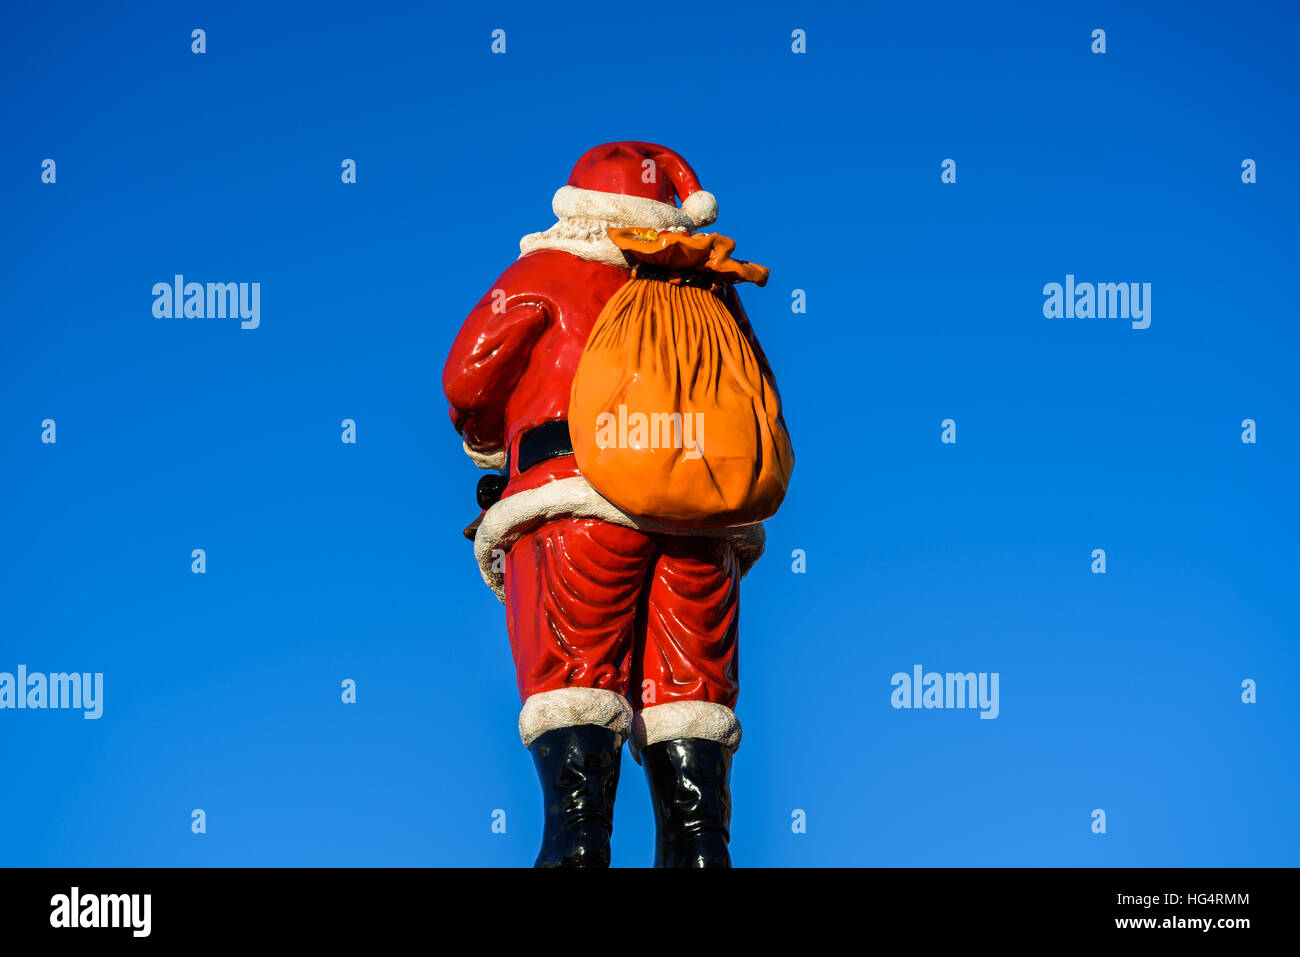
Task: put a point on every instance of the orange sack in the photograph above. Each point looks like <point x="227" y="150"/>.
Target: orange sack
<point x="672" y="416"/>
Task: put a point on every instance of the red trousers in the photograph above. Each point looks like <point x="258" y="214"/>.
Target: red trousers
<point x="651" y="617"/>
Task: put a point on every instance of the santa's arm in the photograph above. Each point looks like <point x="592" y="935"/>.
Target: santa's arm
<point x="488" y="357"/>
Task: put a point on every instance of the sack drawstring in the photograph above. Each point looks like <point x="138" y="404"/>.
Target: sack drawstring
<point x="678" y="277"/>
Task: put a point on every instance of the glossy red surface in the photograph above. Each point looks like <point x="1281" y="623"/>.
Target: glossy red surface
<point x="512" y="364"/>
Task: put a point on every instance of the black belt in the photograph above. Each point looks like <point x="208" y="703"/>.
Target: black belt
<point x="548" y="441"/>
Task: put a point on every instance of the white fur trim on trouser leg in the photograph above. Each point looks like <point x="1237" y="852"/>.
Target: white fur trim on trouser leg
<point x="685" y="719"/>
<point x="486" y="460"/>
<point x="515" y="515"/>
<point x="566" y="707"/>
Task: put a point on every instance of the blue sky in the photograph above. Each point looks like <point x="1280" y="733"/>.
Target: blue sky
<point x="328" y="561"/>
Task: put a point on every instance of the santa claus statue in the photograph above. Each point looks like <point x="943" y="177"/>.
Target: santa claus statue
<point x="613" y="385"/>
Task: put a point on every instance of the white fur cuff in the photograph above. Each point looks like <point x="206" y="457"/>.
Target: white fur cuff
<point x="486" y="460"/>
<point x="566" y="707"/>
<point x="685" y="719"/>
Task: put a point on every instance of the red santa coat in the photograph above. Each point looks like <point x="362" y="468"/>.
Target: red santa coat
<point x="511" y="368"/>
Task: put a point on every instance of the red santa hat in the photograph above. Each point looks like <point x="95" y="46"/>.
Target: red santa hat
<point x="631" y="179"/>
<point x="624" y="184"/>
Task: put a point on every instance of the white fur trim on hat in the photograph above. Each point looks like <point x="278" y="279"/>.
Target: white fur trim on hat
<point x="685" y="719"/>
<point x="585" y="214"/>
<point x="486" y="460"/>
<point x="566" y="707"/>
<point x="515" y="515"/>
<point x="570" y="202"/>
<point x="701" y="206"/>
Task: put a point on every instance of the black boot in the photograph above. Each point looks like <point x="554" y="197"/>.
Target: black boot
<point x="692" y="801"/>
<point x="578" y="769"/>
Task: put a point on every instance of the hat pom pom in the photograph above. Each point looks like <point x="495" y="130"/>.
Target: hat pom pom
<point x="701" y="206"/>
